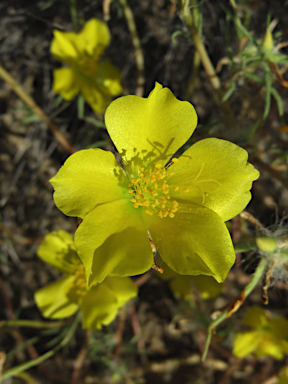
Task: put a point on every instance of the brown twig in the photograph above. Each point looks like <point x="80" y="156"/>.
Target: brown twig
<point x="267" y="168"/>
<point x="119" y="332"/>
<point x="79" y="361"/>
<point x="139" y="58"/>
<point x="36" y="109"/>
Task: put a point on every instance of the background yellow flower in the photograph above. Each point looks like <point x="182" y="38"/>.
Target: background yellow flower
<point x="97" y="80"/>
<point x="99" y="304"/>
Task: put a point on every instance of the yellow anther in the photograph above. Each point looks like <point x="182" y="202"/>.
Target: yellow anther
<point x="133" y="200"/>
<point x="165" y="213"/>
<point x="171" y="215"/>
<point x="133" y="180"/>
<point x="163" y="205"/>
<point x="167" y="197"/>
<point x="130" y="191"/>
<point x="175" y="160"/>
<point x="136" y="205"/>
<point x="141" y="174"/>
<point x="154" y="194"/>
<point x="163" y="171"/>
<point x="176" y="189"/>
<point x="156" y="172"/>
<point x="171" y="173"/>
<point x="174" y="203"/>
<point x="158" y="166"/>
<point x="146" y="203"/>
<point x="130" y="184"/>
<point x="186" y="190"/>
<point x="160" y="214"/>
<point x="147" y="173"/>
<point x="155" y="185"/>
<point x="146" y="179"/>
<point x="148" y="212"/>
<point x="141" y="169"/>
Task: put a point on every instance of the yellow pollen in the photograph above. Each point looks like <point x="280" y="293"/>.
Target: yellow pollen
<point x="150" y="190"/>
<point x="186" y="190"/>
<point x="80" y="281"/>
<point x="175" y="160"/>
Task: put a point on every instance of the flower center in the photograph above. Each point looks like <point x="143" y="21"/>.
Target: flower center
<point x="88" y="66"/>
<point x="80" y="281"/>
<point x="152" y="192"/>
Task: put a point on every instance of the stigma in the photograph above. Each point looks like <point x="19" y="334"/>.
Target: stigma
<point x="151" y="191"/>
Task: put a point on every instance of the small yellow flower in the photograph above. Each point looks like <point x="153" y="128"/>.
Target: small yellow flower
<point x="182" y="285"/>
<point x="268" y="338"/>
<point x="98" y="81"/>
<point x="99" y="304"/>
<point x="183" y="202"/>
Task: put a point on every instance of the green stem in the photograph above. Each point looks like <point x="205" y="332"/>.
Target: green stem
<point x="45" y="356"/>
<point x="228" y="312"/>
<point x="200" y="47"/>
<point x="139" y="58"/>
<point x="32" y="324"/>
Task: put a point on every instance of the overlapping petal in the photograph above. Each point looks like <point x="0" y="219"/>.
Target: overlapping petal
<point x="93" y="38"/>
<point x="196" y="241"/>
<point x="153" y="128"/>
<point x="217" y="175"/>
<point x="106" y="298"/>
<point x="63" y="46"/>
<point x="95" y="94"/>
<point x="113" y="240"/>
<point x="66" y="82"/>
<point x="52" y="300"/>
<point x="87" y="179"/>
<point x="110" y="77"/>
<point x="58" y="249"/>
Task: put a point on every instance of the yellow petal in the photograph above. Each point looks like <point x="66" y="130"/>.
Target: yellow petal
<point x="93" y="38"/>
<point x="246" y="343"/>
<point x="95" y="94"/>
<point x="113" y="240"/>
<point x="100" y="305"/>
<point x="217" y="175"/>
<point x="63" y="46"/>
<point x="152" y="128"/>
<point x="58" y="250"/>
<point x="109" y="76"/>
<point x="66" y="82"/>
<point x="255" y="317"/>
<point x="88" y="178"/>
<point x="52" y="300"/>
<point x="195" y="242"/>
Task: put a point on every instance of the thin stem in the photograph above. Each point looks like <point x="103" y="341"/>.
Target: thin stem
<point x="36" y="109"/>
<point x="139" y="58"/>
<point x="32" y="324"/>
<point x="259" y="272"/>
<point x="200" y="47"/>
<point x="45" y="356"/>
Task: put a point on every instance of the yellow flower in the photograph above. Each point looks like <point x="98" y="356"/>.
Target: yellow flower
<point x="183" y="203"/>
<point x="268" y="338"/>
<point x="182" y="285"/>
<point x="97" y="81"/>
<point x="99" y="304"/>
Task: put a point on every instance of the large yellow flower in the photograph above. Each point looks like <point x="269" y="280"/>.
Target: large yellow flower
<point x="182" y="203"/>
<point x="99" y="304"/>
<point x="98" y="81"/>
